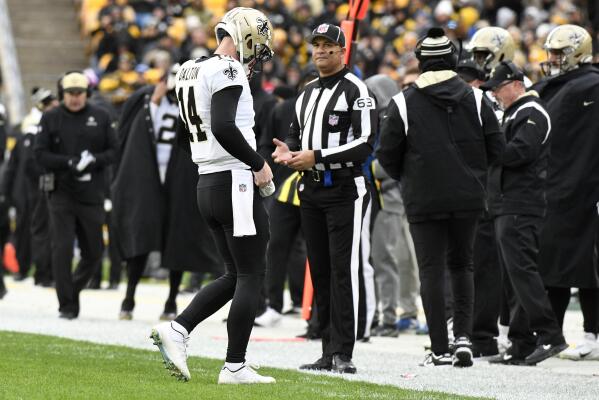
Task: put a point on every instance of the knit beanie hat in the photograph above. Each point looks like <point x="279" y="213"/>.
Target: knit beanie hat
<point x="436" y="52"/>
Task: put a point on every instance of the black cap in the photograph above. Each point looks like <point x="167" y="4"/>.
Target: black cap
<point x="505" y="71"/>
<point x="330" y="32"/>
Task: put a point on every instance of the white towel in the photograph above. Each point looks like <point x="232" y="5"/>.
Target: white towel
<point x="242" y="198"/>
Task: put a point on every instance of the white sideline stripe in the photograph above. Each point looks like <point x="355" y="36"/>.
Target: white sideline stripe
<point x="368" y="271"/>
<point x="355" y="248"/>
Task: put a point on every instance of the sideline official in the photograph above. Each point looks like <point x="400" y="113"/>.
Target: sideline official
<point x="332" y="134"/>
<point x="75" y="144"/>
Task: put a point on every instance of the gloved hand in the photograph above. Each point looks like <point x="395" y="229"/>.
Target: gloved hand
<point x="85" y="161"/>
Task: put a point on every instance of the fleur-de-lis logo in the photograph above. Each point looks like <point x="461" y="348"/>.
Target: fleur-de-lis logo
<point x="230" y="72"/>
<point x="575" y="38"/>
<point x="497" y="40"/>
<point x="262" y="26"/>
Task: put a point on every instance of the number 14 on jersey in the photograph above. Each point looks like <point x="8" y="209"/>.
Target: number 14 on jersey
<point x="192" y="120"/>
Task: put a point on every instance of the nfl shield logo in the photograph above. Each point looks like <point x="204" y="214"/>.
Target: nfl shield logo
<point x="322" y="28"/>
<point x="333" y="119"/>
<point x="243" y="188"/>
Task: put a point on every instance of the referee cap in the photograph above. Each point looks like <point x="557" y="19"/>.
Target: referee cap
<point x="331" y="32"/>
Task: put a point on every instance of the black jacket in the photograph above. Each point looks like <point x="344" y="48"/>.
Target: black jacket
<point x="572" y="100"/>
<point x="149" y="215"/>
<point x="568" y="243"/>
<point x="63" y="136"/>
<point x="517" y="181"/>
<point x="442" y="155"/>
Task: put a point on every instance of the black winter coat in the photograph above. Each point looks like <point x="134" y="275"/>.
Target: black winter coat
<point x="149" y="216"/>
<point x="569" y="238"/>
<point x="442" y="154"/>
<point x="517" y="182"/>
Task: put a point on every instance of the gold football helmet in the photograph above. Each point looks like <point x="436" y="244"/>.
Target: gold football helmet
<point x="251" y="32"/>
<point x="490" y="46"/>
<point x="567" y="46"/>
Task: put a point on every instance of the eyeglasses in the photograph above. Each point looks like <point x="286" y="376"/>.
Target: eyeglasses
<point x="502" y="84"/>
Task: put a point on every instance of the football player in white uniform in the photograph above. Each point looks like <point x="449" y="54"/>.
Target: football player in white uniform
<point x="216" y="107"/>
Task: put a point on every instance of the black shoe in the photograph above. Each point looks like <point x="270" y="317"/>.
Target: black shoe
<point x="2" y="292"/>
<point x="113" y="286"/>
<point x="436" y="360"/>
<point x="343" y="364"/>
<point x="324" y="363"/>
<point x="170" y="311"/>
<point x="544" y="351"/>
<point x="67" y="315"/>
<point x="47" y="284"/>
<point x="386" y="330"/>
<point x="310" y="335"/>
<point x="20" y="277"/>
<point x="462" y="354"/>
<point x="508" y="359"/>
<point x="127" y="307"/>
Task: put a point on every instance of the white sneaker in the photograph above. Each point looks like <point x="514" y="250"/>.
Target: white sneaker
<point x="268" y="319"/>
<point x="245" y="375"/>
<point x="171" y="339"/>
<point x="587" y="349"/>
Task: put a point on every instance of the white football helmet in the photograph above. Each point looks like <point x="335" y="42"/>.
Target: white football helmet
<point x="567" y="46"/>
<point x="490" y="46"/>
<point x="171" y="76"/>
<point x="251" y="32"/>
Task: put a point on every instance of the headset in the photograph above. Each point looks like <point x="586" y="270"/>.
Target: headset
<point x="60" y="90"/>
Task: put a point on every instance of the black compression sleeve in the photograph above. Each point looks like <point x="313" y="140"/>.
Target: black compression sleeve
<point x="222" y="117"/>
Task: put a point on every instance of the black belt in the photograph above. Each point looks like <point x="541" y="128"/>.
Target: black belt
<point x="335" y="174"/>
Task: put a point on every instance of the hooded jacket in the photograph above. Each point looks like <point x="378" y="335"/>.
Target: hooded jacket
<point x="517" y="182"/>
<point x="438" y="139"/>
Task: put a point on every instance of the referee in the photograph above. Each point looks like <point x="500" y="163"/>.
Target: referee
<point x="330" y="137"/>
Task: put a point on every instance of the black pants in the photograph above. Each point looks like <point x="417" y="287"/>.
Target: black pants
<point x="487" y="289"/>
<point x="40" y="240"/>
<point x="22" y="238"/>
<point x="442" y="244"/>
<point x="286" y="255"/>
<point x="245" y="265"/>
<point x="518" y="243"/>
<point x="116" y="268"/>
<point x="589" y="304"/>
<point x="69" y="219"/>
<point x="332" y="225"/>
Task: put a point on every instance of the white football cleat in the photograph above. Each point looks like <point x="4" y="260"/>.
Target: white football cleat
<point x="587" y="349"/>
<point x="171" y="339"/>
<point x="245" y="375"/>
<point x="268" y="319"/>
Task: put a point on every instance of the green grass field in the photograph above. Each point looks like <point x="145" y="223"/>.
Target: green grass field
<point x="47" y="367"/>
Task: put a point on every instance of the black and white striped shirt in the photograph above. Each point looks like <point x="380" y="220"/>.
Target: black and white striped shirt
<point x="336" y="117"/>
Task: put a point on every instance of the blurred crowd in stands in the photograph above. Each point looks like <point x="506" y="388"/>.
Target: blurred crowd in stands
<point x="132" y="42"/>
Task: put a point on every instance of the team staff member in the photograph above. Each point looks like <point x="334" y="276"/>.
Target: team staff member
<point x="572" y="98"/>
<point x="437" y="139"/>
<point x="216" y="106"/>
<point x="330" y="137"/>
<point x="76" y="143"/>
<point x="517" y="203"/>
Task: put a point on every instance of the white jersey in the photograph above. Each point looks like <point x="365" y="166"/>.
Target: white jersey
<point x="196" y="82"/>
